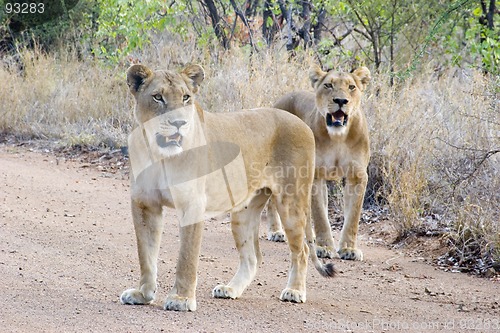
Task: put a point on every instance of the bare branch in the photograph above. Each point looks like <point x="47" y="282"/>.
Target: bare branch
<point x="242" y="16"/>
<point x="362" y="33"/>
<point x="486" y="155"/>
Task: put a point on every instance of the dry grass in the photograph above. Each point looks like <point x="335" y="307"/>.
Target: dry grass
<point x="58" y="98"/>
<point x="429" y="133"/>
<point x="436" y="140"/>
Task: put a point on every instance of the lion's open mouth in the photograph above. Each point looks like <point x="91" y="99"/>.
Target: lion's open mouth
<point x="336" y="119"/>
<point x="167" y="141"/>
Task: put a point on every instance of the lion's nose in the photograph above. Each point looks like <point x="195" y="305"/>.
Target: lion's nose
<point x="177" y="123"/>
<point x="340" y="101"/>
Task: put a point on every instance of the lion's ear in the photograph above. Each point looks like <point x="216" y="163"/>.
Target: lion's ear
<point x="136" y="75"/>
<point x="316" y="74"/>
<point x="195" y="74"/>
<point x="363" y="74"/>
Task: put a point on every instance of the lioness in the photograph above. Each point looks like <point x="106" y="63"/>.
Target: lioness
<point x="199" y="162"/>
<point x="342" y="151"/>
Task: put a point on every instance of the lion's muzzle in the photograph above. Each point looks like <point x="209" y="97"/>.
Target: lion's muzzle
<point x="171" y="140"/>
<point x="336" y="119"/>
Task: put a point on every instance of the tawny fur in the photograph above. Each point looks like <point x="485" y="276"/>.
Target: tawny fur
<point x="269" y="140"/>
<point x="341" y="152"/>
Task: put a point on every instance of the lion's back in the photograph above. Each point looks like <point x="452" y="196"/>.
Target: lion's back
<point x="266" y="137"/>
<point x="298" y="103"/>
<point x="259" y="126"/>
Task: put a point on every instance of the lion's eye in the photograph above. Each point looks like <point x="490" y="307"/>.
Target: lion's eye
<point x="158" y="97"/>
<point x="352" y="87"/>
<point x="186" y="98"/>
<point x="328" y="86"/>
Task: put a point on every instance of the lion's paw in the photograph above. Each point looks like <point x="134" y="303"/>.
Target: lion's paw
<point x="178" y="303"/>
<point x="293" y="295"/>
<point x="135" y="297"/>
<point x="326" y="252"/>
<point x="276" y="236"/>
<point x="350" y="254"/>
<point x="222" y="291"/>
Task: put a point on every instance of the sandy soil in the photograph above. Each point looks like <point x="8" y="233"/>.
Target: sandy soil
<point x="67" y="251"/>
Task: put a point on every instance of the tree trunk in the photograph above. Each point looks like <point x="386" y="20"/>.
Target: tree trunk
<point x="391" y="46"/>
<point x="487" y="20"/>
<point x="251" y="7"/>
<point x="267" y="30"/>
<point x="488" y="14"/>
<point x="491" y="14"/>
<point x="375" y="45"/>
<point x="290" y="27"/>
<point x="318" y="27"/>
<point x="216" y="23"/>
<point x="306" y="28"/>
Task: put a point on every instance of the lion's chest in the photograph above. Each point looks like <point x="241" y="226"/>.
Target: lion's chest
<point x="207" y="190"/>
<point x="329" y="164"/>
<point x="334" y="161"/>
<point x="151" y="191"/>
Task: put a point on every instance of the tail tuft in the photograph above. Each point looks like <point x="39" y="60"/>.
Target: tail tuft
<point x="328" y="270"/>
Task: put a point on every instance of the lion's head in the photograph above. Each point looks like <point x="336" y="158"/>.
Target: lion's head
<point x="338" y="95"/>
<point x="165" y="106"/>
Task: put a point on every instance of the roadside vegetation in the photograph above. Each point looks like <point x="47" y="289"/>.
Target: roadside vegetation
<point x="432" y="106"/>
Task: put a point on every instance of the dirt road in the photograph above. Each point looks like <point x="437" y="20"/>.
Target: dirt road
<point x="67" y="251"/>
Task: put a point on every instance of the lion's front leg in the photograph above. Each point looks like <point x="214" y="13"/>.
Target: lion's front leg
<point x="182" y="297"/>
<point x="354" y="193"/>
<point x="319" y="212"/>
<point x="148" y="229"/>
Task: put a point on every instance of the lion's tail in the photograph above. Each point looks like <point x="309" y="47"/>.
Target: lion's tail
<point x="326" y="270"/>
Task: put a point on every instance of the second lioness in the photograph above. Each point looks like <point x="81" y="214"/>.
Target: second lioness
<point x="342" y="151"/>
